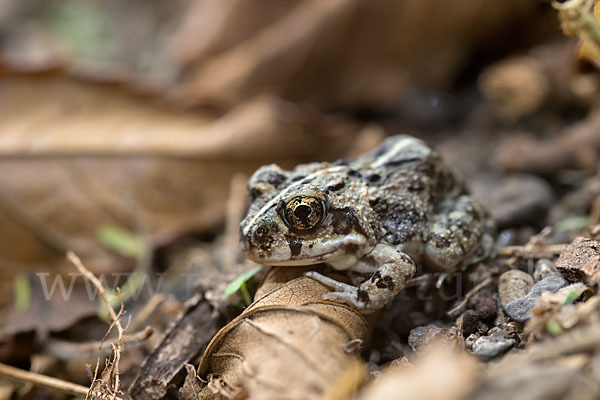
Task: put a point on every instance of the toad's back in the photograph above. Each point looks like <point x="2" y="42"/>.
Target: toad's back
<point x="409" y="183"/>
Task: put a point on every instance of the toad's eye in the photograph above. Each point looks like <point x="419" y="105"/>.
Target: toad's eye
<point x="304" y="212"/>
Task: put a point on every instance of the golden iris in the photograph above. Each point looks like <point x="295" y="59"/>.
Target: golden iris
<point x="304" y="212"/>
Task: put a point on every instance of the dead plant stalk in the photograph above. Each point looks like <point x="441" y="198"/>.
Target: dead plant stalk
<point x="114" y="383"/>
<point x="19" y="375"/>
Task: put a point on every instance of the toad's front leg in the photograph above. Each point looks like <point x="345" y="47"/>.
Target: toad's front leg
<point x="391" y="270"/>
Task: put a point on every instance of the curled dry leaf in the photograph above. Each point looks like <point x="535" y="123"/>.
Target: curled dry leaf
<point x="288" y="344"/>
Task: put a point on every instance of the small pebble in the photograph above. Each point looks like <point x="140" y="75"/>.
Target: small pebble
<point x="492" y="345"/>
<point x="514" y="284"/>
<point x="421" y="335"/>
<point x="485" y="304"/>
<point x="543" y="268"/>
<point x="470" y="341"/>
<point x="471" y="323"/>
<point x="520" y="309"/>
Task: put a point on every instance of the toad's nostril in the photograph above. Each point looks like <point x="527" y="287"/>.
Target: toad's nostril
<point x="259" y="237"/>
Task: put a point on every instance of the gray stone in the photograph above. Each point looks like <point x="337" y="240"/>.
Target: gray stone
<point x="520" y="309"/>
<point x="491" y="346"/>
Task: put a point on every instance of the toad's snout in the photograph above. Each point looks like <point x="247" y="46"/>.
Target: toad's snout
<point x="257" y="240"/>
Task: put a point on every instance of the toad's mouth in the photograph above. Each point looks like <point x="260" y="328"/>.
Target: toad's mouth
<point x="297" y="252"/>
<point x="289" y="260"/>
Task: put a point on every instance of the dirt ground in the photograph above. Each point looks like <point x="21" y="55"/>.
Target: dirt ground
<point x="128" y="133"/>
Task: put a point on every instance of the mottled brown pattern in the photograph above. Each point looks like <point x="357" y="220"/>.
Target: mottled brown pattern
<point x="401" y="194"/>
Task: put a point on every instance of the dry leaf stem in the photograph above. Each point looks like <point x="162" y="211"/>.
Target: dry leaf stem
<point x="470" y="294"/>
<point x="19" y="375"/>
<point x="114" y="383"/>
<point x="528" y="251"/>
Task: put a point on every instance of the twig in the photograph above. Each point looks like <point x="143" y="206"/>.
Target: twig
<point x="113" y="366"/>
<point x="147" y="310"/>
<point x="67" y="350"/>
<point x="526" y="251"/>
<point x="19" y="375"/>
<point x="468" y="296"/>
<point x="534" y="248"/>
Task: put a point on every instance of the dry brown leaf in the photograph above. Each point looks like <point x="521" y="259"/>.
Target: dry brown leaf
<point x="51" y="309"/>
<point x="191" y="386"/>
<point x="339" y="52"/>
<point x="336" y="52"/>
<point x="76" y="156"/>
<point x="56" y="116"/>
<point x="288" y="344"/>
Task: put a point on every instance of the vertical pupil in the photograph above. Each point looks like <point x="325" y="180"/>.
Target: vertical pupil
<point x="302" y="211"/>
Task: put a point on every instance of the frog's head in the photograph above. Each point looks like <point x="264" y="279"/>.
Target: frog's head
<point x="306" y="219"/>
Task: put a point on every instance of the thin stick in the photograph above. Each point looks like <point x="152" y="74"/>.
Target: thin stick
<point x="542" y="251"/>
<point x="147" y="311"/>
<point x="19" y="375"/>
<point x="96" y="282"/>
<point x="470" y="294"/>
<point x="114" y="365"/>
